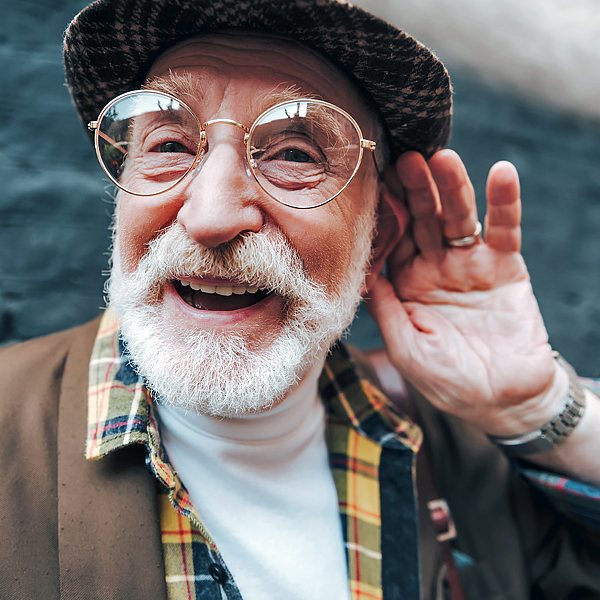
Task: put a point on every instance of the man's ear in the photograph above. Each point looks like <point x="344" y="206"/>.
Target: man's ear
<point x="392" y="219"/>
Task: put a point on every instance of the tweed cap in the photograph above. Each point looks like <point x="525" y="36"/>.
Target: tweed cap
<point x="110" y="45"/>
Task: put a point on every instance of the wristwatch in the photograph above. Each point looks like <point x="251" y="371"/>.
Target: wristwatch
<point x="550" y="435"/>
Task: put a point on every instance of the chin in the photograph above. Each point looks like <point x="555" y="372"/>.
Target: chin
<point x="216" y="373"/>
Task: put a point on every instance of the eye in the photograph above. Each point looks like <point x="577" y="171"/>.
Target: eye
<point x="294" y="155"/>
<point x="291" y="148"/>
<point x="172" y="146"/>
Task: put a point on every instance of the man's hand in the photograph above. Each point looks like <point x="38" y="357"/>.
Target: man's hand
<point x="462" y="324"/>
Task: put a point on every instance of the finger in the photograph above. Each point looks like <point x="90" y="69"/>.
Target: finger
<point x="423" y="201"/>
<point x="503" y="218"/>
<point x="457" y="196"/>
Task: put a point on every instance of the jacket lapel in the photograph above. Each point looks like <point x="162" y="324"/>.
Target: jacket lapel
<point x="109" y="532"/>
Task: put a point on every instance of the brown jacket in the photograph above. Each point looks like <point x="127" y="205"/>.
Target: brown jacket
<point x="72" y="528"/>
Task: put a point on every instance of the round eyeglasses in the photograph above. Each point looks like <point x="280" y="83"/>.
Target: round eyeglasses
<point x="303" y="153"/>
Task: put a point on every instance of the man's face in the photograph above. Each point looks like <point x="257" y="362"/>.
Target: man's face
<point x="219" y="230"/>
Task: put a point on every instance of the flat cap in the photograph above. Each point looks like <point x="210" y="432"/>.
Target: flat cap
<point x="110" y="44"/>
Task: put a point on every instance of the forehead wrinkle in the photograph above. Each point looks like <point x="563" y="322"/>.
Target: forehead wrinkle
<point x="246" y="47"/>
<point x="243" y="49"/>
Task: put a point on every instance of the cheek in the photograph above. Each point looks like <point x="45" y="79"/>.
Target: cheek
<point x="325" y="258"/>
<point x="324" y="243"/>
<point x="326" y="236"/>
<point x="138" y="222"/>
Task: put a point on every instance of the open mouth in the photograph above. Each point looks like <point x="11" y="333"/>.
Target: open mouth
<point x="224" y="296"/>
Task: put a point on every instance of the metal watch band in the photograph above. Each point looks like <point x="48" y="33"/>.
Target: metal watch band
<point x="550" y="435"/>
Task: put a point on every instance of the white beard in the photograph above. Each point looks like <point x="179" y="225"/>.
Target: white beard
<point x="220" y="374"/>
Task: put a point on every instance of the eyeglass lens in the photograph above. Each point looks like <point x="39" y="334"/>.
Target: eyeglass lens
<point x="302" y="153"/>
<point x="147" y="142"/>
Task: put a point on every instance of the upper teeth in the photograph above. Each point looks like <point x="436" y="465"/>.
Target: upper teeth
<point x="222" y="290"/>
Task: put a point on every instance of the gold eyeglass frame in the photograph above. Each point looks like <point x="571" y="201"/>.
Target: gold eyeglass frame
<point x="251" y="163"/>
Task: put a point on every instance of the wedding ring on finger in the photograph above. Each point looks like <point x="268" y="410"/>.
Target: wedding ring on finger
<point x="468" y="240"/>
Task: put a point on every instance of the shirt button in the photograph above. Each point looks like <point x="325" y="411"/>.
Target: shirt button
<point x="217" y="572"/>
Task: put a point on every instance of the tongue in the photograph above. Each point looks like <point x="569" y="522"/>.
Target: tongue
<point x="214" y="302"/>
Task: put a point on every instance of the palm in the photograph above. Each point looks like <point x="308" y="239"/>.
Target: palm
<point x="462" y="324"/>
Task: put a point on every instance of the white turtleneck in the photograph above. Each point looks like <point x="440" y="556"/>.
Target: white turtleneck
<point x="264" y="490"/>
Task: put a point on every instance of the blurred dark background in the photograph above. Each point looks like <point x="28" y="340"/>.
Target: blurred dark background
<point x="55" y="210"/>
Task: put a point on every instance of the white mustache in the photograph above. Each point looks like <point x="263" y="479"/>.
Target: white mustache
<point x="267" y="261"/>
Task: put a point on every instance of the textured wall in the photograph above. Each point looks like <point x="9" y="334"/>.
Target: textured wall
<point x="53" y="218"/>
<point x="54" y="211"/>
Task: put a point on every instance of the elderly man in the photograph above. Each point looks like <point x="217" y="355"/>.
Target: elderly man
<point x="234" y="448"/>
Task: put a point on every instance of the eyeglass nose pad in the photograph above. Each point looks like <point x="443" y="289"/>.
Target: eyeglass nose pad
<point x="248" y="169"/>
<point x="200" y="157"/>
<point x="246" y="165"/>
<point x="197" y="166"/>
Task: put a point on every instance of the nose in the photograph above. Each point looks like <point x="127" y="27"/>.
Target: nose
<point x="221" y="200"/>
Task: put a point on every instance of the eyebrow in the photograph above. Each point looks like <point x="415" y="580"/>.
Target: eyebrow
<point x="180" y="86"/>
<point x="282" y="94"/>
<point x="183" y="86"/>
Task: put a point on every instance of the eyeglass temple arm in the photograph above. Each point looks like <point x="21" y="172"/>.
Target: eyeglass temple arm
<point x="370" y="145"/>
<point x="93" y="126"/>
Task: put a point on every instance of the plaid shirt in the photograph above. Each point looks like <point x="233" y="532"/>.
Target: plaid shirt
<point x="371" y="449"/>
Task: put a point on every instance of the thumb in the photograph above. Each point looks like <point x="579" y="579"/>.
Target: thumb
<point x="388" y="311"/>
